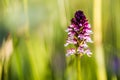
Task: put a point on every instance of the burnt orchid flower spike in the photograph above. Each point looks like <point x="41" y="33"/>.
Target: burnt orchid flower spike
<point x="79" y="32"/>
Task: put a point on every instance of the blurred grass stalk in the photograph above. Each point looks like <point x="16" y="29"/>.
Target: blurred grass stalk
<point x="99" y="53"/>
<point x="7" y="46"/>
<point x="35" y="74"/>
<point x="5" y="54"/>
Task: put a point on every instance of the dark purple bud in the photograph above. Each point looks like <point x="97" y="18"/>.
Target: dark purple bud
<point x="79" y="15"/>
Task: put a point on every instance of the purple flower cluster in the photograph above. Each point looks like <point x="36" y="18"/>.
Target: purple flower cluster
<point x="79" y="32"/>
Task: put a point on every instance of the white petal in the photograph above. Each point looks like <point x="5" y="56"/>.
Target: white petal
<point x="81" y="36"/>
<point x="80" y="24"/>
<point x="84" y="45"/>
<point x="89" y="40"/>
<point x="66" y="44"/>
<point x="88" y="52"/>
<point x="89" y="26"/>
<point x="68" y="29"/>
<point x="71" y="26"/>
<point x="70" y="52"/>
<point x="80" y="50"/>
<point x="89" y="31"/>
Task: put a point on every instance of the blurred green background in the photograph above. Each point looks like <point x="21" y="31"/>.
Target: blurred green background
<point x="32" y="37"/>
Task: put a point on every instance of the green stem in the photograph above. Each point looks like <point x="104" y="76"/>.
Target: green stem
<point x="78" y="67"/>
<point x="1" y="70"/>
